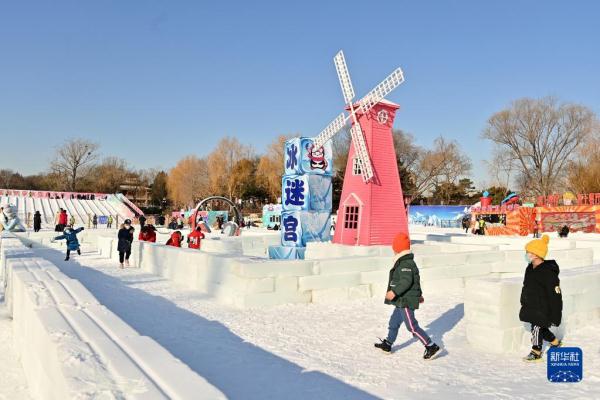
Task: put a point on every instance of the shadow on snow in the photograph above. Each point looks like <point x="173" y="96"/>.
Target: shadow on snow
<point x="239" y="369"/>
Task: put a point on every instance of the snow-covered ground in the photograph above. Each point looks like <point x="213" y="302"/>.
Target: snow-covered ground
<point x="320" y="351"/>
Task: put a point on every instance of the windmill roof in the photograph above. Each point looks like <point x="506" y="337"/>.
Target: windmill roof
<point x="383" y="101"/>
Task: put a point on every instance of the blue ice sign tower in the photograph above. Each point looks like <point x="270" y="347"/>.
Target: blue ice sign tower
<point x="305" y="199"/>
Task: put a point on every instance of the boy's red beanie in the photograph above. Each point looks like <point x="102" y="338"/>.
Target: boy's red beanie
<point x="401" y="242"/>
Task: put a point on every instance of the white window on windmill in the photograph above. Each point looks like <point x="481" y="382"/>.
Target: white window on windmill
<point x="356" y="166"/>
<point x="351" y="217"/>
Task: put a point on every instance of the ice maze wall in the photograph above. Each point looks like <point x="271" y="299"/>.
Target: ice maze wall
<point x="71" y="346"/>
<point x="246" y="281"/>
<point x="492" y="309"/>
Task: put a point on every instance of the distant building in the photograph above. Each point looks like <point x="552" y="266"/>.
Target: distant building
<point x="136" y="191"/>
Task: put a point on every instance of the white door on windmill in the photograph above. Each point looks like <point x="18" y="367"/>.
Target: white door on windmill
<point x="351" y="214"/>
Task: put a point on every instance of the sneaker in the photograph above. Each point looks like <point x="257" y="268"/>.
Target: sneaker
<point x="127" y="263"/>
<point x="67" y="259"/>
<point x="78" y="251"/>
<point x="554" y="346"/>
<point x="121" y="266"/>
<point x="384" y="345"/>
<point x="533" y="356"/>
<point x="431" y="351"/>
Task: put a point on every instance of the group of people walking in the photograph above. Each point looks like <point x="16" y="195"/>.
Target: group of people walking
<point x="147" y="233"/>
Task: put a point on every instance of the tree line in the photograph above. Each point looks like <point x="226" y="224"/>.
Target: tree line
<point x="540" y="146"/>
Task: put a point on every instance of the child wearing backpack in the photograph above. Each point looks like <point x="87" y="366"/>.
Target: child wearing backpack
<point x="541" y="298"/>
<point x="70" y="235"/>
<point x="404" y="292"/>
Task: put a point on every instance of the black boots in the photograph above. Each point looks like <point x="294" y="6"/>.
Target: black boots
<point x="384" y="345"/>
<point x="431" y="351"/>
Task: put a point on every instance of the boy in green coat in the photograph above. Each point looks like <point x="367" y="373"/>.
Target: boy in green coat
<point x="404" y="292"/>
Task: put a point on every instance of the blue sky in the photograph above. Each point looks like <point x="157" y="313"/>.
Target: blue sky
<point x="153" y="81"/>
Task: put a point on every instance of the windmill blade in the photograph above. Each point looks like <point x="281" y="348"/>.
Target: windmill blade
<point x="344" y="77"/>
<point x="380" y="91"/>
<point x="334" y="127"/>
<point x="360" y="147"/>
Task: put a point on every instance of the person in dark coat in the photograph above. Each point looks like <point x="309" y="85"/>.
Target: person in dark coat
<point x="125" y="236"/>
<point x="37" y="221"/>
<point x="70" y="235"/>
<point x="142" y="220"/>
<point x="95" y="221"/>
<point x="541" y="297"/>
<point x="404" y="292"/>
<point x="564" y="231"/>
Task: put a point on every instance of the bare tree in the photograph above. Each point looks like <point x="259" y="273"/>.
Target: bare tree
<point x="407" y="152"/>
<point x="445" y="163"/>
<point x="6" y="176"/>
<point x="455" y="162"/>
<point x="222" y="160"/>
<point x="270" y="167"/>
<point x="584" y="172"/>
<point x="542" y="136"/>
<point x="502" y="168"/>
<point x="188" y="181"/>
<point x="109" y="175"/>
<point x="73" y="160"/>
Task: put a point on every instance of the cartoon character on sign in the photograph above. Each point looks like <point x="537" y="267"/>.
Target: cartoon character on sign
<point x="316" y="157"/>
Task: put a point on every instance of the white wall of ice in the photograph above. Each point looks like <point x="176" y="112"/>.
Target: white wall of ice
<point x="492" y="309"/>
<point x="73" y="347"/>
<point x="245" y="281"/>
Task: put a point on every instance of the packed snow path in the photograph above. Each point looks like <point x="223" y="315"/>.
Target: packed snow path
<point x="319" y="351"/>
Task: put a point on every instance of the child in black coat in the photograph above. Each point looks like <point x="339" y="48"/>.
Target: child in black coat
<point x="541" y="298"/>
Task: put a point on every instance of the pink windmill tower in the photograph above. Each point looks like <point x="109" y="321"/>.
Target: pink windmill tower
<point x="371" y="210"/>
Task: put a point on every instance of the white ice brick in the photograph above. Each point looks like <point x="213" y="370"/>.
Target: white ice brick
<point x="496" y="340"/>
<point x="59" y="293"/>
<point x="118" y="362"/>
<point x="442" y="285"/>
<point x="455" y="271"/>
<point x="109" y="322"/>
<point x="427" y="261"/>
<point x="176" y="379"/>
<point x="376" y="277"/>
<point x="352" y="264"/>
<point x="285" y="284"/>
<point x="509" y="266"/>
<point x="502" y="317"/>
<point x="484" y="257"/>
<point x="328" y="281"/>
<point x="258" y="268"/>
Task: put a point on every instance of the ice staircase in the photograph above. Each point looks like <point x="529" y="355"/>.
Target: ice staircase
<point x="82" y="206"/>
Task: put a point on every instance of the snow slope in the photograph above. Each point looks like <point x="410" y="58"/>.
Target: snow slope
<point x="317" y="350"/>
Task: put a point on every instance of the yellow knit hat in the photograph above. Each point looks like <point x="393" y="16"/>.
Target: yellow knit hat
<point x="539" y="247"/>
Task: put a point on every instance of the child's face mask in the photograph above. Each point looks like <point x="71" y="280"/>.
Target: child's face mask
<point x="526" y="258"/>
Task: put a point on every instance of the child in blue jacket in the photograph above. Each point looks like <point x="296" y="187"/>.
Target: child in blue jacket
<point x="70" y="235"/>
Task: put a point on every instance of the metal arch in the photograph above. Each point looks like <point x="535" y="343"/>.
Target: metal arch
<point x="238" y="215"/>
